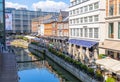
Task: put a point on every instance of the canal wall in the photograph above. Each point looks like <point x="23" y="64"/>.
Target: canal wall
<point x="35" y="52"/>
<point x="76" y="72"/>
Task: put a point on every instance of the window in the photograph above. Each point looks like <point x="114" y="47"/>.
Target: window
<point x="84" y="0"/>
<point x="78" y="1"/>
<point x="65" y="26"/>
<point x="81" y="32"/>
<point x="17" y="16"/>
<point x="85" y="8"/>
<point x="71" y="4"/>
<point x="90" y="19"/>
<point x="119" y="8"/>
<point x="95" y="32"/>
<point x="90" y="33"/>
<point x="85" y="32"/>
<point x="96" y="5"/>
<point x="90" y="7"/>
<point x="77" y="31"/>
<point x="78" y="11"/>
<point x="74" y="3"/>
<point x="73" y="32"/>
<point x="96" y="18"/>
<point x="77" y="21"/>
<point x="81" y="20"/>
<point x="111" y="10"/>
<point x="73" y="21"/>
<point x="73" y="12"/>
<point x="111" y="30"/>
<point x="53" y="25"/>
<point x="81" y="10"/>
<point x="70" y="21"/>
<point x="70" y="12"/>
<point x="70" y="32"/>
<point x="119" y="30"/>
<point x="85" y="19"/>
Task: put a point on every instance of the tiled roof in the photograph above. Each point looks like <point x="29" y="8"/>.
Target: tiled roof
<point x="66" y="19"/>
<point x="64" y="14"/>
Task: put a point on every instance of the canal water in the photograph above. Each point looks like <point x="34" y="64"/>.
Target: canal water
<point x="34" y="69"/>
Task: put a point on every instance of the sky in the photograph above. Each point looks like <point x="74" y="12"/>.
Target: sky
<point x="45" y="5"/>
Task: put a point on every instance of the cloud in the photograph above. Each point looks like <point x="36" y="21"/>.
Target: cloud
<point x="50" y="5"/>
<point x="14" y="5"/>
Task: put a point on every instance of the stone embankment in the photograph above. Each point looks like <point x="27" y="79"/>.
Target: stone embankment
<point x="76" y="72"/>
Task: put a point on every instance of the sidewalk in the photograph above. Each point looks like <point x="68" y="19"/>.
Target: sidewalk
<point x="8" y="71"/>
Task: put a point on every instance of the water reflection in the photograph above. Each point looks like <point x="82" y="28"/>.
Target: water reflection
<point x="40" y="71"/>
<point x="36" y="72"/>
<point x="24" y="55"/>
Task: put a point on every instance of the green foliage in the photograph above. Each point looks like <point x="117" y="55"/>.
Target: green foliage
<point x="22" y="37"/>
<point x="110" y="79"/>
<point x="35" y="43"/>
<point x="77" y="64"/>
<point x="26" y="39"/>
<point x="91" y="71"/>
<point x="102" y="56"/>
<point x="99" y="76"/>
<point x="19" y="37"/>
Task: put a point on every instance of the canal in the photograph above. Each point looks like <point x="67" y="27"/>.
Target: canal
<point x="35" y="69"/>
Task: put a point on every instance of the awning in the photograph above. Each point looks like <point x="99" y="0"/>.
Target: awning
<point x="110" y="44"/>
<point x="83" y="43"/>
<point x="110" y="64"/>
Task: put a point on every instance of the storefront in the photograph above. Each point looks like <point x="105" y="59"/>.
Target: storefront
<point x="110" y="48"/>
<point x="83" y="50"/>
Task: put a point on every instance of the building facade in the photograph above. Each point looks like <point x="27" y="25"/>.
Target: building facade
<point x="86" y="26"/>
<point x="63" y="24"/>
<point x="55" y="28"/>
<point x="111" y="46"/>
<point x="46" y="25"/>
<point x="37" y="21"/>
<point x="2" y="21"/>
<point x="21" y="19"/>
<point x="48" y="30"/>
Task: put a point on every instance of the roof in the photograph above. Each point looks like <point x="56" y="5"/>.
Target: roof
<point x="46" y="19"/>
<point x="82" y="43"/>
<point x="110" y="64"/>
<point x="51" y="19"/>
<point x="110" y="44"/>
<point x="66" y="19"/>
<point x="64" y="14"/>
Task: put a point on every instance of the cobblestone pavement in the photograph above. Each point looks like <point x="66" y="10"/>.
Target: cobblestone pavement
<point x="8" y="71"/>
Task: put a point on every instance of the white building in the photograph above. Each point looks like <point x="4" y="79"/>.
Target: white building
<point x="86" y="24"/>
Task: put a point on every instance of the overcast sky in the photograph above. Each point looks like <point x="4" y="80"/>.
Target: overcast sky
<point x="45" y="5"/>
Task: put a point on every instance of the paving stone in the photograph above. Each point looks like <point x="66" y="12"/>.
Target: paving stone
<point x="8" y="68"/>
